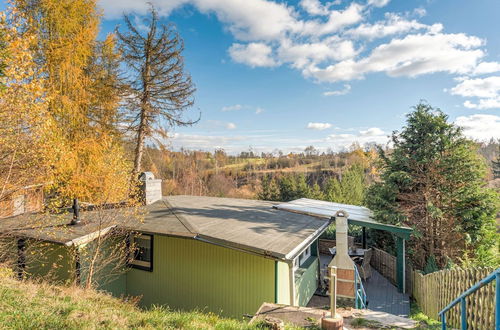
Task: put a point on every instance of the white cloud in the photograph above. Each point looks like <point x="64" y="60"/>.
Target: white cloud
<point x="420" y="11"/>
<point x="234" y="107"/>
<point x="337" y="20"/>
<point x="319" y="126"/>
<point x="238" y="107"/>
<point x="393" y="24"/>
<point x="217" y="124"/>
<point x="370" y="136"/>
<point x="480" y="126"/>
<point x="344" y="91"/>
<point x="253" y="54"/>
<point x="487" y="67"/>
<point x="303" y="54"/>
<point x="411" y="56"/>
<point x="378" y="3"/>
<point x="231" y="126"/>
<point x="485" y="90"/>
<point x="331" y="40"/>
<point x="374" y="131"/>
<point x="314" y="7"/>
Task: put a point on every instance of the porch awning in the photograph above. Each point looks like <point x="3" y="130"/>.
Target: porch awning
<point x="358" y="215"/>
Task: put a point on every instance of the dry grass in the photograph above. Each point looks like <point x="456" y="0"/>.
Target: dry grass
<point x="31" y="305"/>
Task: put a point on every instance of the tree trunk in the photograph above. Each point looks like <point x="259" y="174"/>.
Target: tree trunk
<point x="139" y="148"/>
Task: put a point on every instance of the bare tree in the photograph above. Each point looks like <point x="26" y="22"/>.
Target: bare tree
<point x="161" y="90"/>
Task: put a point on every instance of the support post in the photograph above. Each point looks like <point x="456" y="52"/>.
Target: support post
<point x="443" y="321"/>
<point x="463" y="313"/>
<point x="364" y="238"/>
<point x="400" y="264"/>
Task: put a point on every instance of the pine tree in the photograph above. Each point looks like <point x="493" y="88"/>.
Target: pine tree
<point x="496" y="165"/>
<point x="161" y="90"/>
<point x="269" y="189"/>
<point x="433" y="181"/>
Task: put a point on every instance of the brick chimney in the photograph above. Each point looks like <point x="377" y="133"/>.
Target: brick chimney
<point x="150" y="188"/>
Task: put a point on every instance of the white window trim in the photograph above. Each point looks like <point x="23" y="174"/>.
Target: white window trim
<point x="302" y="258"/>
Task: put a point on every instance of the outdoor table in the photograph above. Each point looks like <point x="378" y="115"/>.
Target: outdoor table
<point x="352" y="253"/>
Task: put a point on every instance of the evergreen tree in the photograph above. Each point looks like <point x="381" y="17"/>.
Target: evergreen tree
<point x="269" y="189"/>
<point x="433" y="181"/>
<point x="496" y="165"/>
<point x="161" y="90"/>
<point x="349" y="190"/>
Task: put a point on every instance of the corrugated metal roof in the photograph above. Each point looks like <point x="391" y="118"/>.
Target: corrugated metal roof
<point x="358" y="215"/>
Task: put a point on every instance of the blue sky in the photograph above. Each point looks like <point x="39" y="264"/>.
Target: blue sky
<point x="288" y="74"/>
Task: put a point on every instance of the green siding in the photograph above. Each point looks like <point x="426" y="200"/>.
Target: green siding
<point x="283" y="283"/>
<point x="109" y="277"/>
<point x="306" y="281"/>
<point x="190" y="274"/>
<point x="53" y="262"/>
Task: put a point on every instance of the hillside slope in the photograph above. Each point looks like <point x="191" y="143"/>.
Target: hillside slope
<point x="29" y="305"/>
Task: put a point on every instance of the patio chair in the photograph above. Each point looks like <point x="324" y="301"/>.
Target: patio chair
<point x="364" y="269"/>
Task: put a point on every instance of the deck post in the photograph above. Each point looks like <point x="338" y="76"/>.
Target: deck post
<point x="364" y="238"/>
<point x="400" y="264"/>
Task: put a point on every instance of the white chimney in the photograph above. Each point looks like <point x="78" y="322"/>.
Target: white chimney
<point x="345" y="265"/>
<point x="150" y="187"/>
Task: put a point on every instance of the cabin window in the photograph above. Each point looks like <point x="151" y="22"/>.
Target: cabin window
<point x="302" y="258"/>
<point x="142" y="257"/>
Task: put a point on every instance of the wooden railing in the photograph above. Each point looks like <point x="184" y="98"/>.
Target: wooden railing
<point x="433" y="292"/>
<point x="385" y="264"/>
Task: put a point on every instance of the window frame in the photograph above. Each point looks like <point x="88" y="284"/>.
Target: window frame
<point x="139" y="264"/>
<point x="302" y="257"/>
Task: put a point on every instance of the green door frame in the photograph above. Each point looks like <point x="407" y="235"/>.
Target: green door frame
<point x="402" y="234"/>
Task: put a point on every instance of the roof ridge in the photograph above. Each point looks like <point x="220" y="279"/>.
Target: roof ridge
<point x="185" y="222"/>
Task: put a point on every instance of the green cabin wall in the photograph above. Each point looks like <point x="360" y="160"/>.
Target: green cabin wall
<point x="283" y="283"/>
<point x="53" y="262"/>
<point x="190" y="274"/>
<point x="306" y="281"/>
<point x="110" y="278"/>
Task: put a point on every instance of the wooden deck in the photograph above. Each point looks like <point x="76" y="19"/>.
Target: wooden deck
<point x="381" y="294"/>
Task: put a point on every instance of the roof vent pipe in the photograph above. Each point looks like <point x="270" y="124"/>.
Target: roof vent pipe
<point x="76" y="212"/>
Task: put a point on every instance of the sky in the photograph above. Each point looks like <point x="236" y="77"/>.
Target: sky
<point x="288" y="74"/>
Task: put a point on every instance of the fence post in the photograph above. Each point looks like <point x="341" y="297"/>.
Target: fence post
<point x="333" y="290"/>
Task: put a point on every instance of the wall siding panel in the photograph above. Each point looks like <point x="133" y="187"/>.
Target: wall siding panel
<point x="283" y="283"/>
<point x="307" y="283"/>
<point x="190" y="274"/>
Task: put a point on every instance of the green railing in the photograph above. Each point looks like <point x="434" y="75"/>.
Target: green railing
<point x="359" y="291"/>
<point x="495" y="275"/>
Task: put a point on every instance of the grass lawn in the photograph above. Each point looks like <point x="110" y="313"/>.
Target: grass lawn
<point x="30" y="305"/>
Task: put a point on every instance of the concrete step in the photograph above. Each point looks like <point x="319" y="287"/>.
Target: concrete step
<point x="385" y="319"/>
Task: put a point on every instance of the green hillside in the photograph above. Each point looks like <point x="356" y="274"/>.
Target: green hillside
<point x="29" y="305"/>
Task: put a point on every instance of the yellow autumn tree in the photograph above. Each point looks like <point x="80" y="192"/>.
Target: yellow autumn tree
<point x="25" y="150"/>
<point x="90" y="161"/>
